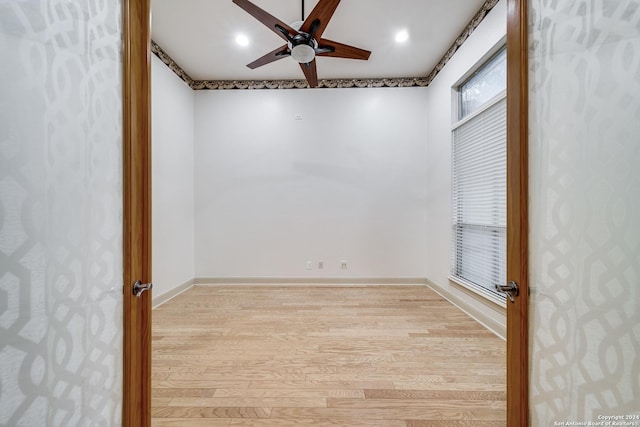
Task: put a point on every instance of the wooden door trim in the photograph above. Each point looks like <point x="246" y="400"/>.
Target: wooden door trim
<point x="136" y="402"/>
<point x="517" y="213"/>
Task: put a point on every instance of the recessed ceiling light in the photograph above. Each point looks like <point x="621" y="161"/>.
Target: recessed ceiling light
<point x="242" y="40"/>
<point x="402" y="36"/>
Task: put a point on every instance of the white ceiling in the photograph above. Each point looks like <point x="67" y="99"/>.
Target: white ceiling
<point x="200" y="36"/>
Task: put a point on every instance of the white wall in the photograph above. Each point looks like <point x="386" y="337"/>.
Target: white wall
<point x="438" y="167"/>
<point x="346" y="182"/>
<point x="172" y="147"/>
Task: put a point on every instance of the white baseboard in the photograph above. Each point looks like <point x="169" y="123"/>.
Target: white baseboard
<point x="305" y="281"/>
<point x="161" y="299"/>
<point x="497" y="328"/>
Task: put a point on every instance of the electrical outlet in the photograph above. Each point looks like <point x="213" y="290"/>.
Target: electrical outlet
<point x="320" y="265"/>
<point x="308" y="265"/>
<point x="343" y="265"/>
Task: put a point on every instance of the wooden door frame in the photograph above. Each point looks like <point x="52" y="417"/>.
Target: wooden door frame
<point x="136" y="399"/>
<point x="517" y="213"/>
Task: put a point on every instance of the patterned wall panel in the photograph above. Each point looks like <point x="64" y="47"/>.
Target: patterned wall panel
<point x="585" y="210"/>
<point x="60" y="213"/>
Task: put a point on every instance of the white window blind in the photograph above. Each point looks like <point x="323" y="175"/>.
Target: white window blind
<point x="478" y="256"/>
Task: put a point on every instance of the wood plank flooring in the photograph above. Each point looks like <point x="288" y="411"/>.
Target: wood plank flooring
<point x="392" y="356"/>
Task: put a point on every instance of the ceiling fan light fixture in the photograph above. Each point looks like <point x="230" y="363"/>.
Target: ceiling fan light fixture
<point x="303" y="53"/>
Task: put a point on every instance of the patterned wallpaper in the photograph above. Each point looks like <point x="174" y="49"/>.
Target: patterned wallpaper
<point x="585" y="210"/>
<point x="60" y="213"/>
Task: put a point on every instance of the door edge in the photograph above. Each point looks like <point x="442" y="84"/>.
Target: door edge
<point x="136" y="399"/>
<point x="517" y="213"/>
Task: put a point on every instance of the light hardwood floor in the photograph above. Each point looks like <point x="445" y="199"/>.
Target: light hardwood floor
<point x="323" y="356"/>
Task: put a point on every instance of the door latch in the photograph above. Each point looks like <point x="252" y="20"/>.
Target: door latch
<point x="511" y="289"/>
<point x="139" y="288"/>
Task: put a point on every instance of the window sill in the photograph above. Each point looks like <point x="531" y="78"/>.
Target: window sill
<point x="479" y="290"/>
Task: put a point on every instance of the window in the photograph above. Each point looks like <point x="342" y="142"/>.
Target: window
<point x="478" y="255"/>
<point x="484" y="85"/>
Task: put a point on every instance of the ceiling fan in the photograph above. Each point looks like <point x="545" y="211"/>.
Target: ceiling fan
<point x="305" y="42"/>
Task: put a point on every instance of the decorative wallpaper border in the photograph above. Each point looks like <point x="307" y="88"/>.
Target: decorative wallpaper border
<point x="464" y="35"/>
<point x="328" y="83"/>
<point x="173" y="66"/>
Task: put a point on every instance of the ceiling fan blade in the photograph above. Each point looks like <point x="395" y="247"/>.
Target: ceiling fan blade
<point x="323" y="13"/>
<point x="274" y="55"/>
<point x="340" y="50"/>
<point x="311" y="73"/>
<point x="270" y="21"/>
